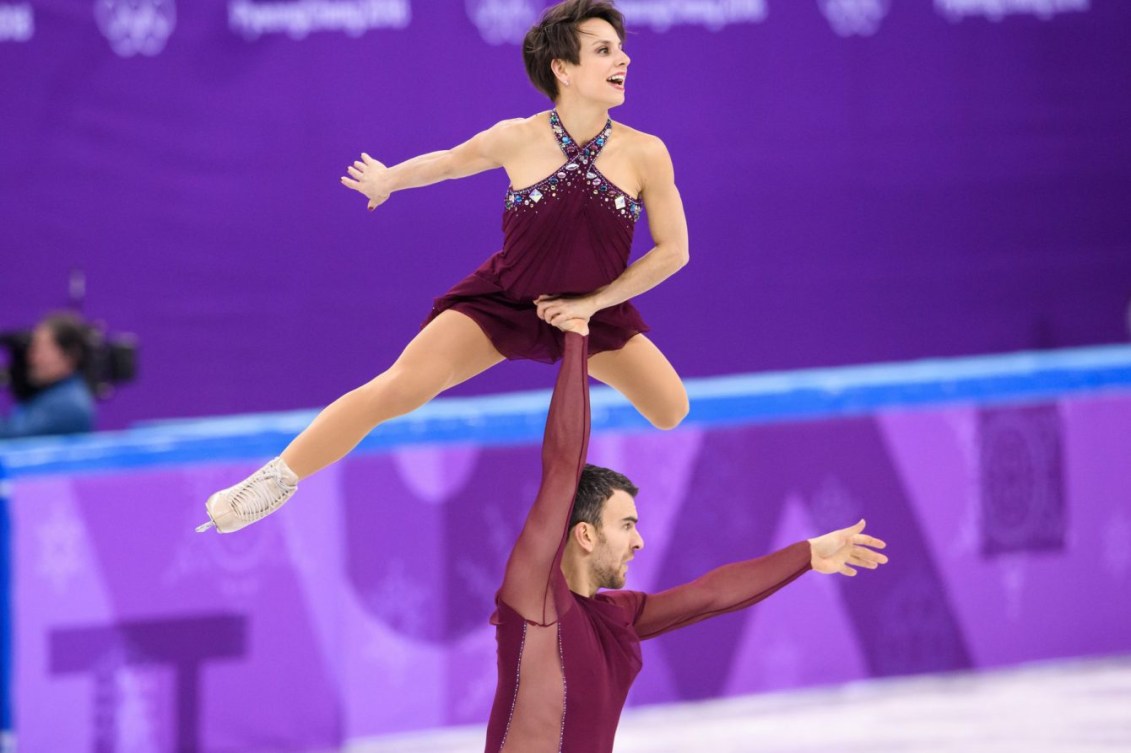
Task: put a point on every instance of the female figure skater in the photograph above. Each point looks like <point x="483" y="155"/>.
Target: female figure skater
<point x="579" y="183"/>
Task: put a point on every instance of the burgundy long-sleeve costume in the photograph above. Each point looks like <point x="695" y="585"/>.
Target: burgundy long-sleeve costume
<point x="566" y="661"/>
<point x="568" y="234"/>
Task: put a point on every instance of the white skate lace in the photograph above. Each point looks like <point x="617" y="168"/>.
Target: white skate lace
<point x="261" y="494"/>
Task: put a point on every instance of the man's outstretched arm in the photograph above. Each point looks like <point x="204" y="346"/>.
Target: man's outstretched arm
<point x="535" y="561"/>
<point x="742" y="584"/>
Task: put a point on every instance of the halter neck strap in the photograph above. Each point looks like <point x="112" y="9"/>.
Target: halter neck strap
<point x="586" y="152"/>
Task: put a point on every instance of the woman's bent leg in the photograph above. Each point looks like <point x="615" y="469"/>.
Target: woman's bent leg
<point x="450" y="350"/>
<point x="640" y="372"/>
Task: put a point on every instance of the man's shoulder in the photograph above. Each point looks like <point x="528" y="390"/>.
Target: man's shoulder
<point x="630" y="601"/>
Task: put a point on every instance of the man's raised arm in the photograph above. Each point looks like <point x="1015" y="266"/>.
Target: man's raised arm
<point x="535" y="562"/>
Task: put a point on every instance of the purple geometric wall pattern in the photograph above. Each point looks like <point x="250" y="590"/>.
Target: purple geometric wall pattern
<point x="237" y="566"/>
<point x="936" y="455"/>
<point x="849" y="470"/>
<point x="471" y="677"/>
<point x="717" y="531"/>
<point x="305" y="616"/>
<point x="917" y="628"/>
<point x="804" y="638"/>
<point x="253" y="575"/>
<point x="392" y="681"/>
<point x="394" y="548"/>
<point x="1023" y="505"/>
<point x="146" y="709"/>
<point x="412" y="561"/>
<point x="436" y="474"/>
<point x="495" y="501"/>
<point x="840" y="467"/>
<point x="1117" y="532"/>
<point x="64" y="549"/>
<point x="1096" y="441"/>
<point x="185" y="645"/>
<point x="832" y="503"/>
<point x="963" y="425"/>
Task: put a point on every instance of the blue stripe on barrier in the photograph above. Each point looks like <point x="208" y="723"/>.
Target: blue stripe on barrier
<point x="518" y="418"/>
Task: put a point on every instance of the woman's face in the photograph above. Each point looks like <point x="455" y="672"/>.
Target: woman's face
<point x="602" y="66"/>
<point x="47" y="362"/>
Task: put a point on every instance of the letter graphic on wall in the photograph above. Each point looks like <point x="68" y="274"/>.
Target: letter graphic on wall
<point x="502" y="21"/>
<point x="298" y="20"/>
<point x="854" y="17"/>
<point x="136" y="26"/>
<point x="17" y="22"/>
<point x="662" y="15"/>
<point x="996" y="10"/>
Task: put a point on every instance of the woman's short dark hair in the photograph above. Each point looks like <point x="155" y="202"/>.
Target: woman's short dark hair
<point x="555" y="38"/>
<point x="597" y="484"/>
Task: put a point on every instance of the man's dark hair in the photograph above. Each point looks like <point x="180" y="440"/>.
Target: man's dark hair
<point x="597" y="484"/>
<point x="72" y="335"/>
<point x="555" y="37"/>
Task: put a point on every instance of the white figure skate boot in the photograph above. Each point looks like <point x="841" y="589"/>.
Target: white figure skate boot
<point x="254" y="498"/>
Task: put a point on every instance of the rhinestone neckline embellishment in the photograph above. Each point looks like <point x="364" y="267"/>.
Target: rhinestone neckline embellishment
<point x="571" y="174"/>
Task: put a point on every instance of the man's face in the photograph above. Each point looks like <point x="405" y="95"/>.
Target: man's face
<point x="47" y="362"/>
<point x="617" y="541"/>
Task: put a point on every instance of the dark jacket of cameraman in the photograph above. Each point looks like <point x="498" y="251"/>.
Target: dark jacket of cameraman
<point x="66" y="407"/>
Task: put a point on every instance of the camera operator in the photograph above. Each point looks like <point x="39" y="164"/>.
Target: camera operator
<point x="62" y="403"/>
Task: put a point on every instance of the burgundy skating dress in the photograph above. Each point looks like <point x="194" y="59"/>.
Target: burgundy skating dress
<point x="566" y="235"/>
<point x="565" y="661"/>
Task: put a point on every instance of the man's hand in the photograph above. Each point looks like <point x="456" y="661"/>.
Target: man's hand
<point x="580" y="326"/>
<point x="836" y="552"/>
<point x="369" y="177"/>
<point x="553" y="309"/>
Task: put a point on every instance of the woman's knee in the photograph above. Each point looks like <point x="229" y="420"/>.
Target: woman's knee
<point x="672" y="413"/>
<point x="395" y="392"/>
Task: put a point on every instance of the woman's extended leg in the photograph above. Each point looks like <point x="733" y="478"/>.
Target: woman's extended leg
<point x="450" y="350"/>
<point x="640" y="372"/>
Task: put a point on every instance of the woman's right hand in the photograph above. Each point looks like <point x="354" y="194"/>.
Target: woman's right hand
<point x="369" y="177"/>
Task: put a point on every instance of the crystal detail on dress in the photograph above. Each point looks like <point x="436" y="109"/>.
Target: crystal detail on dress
<point x="570" y="175"/>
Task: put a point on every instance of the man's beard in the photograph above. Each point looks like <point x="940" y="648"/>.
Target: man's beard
<point x="606" y="575"/>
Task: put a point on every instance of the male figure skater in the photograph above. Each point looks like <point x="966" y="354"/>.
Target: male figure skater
<point x="569" y="653"/>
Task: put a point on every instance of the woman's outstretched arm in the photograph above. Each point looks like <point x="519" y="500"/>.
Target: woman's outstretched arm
<point x="484" y="151"/>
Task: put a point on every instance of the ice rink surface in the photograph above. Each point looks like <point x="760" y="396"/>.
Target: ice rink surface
<point x="1082" y="706"/>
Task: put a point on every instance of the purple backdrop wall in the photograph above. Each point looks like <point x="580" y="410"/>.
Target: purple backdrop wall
<point x="362" y="608"/>
<point x="864" y="181"/>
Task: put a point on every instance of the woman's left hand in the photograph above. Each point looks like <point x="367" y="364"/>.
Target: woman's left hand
<point x="554" y="309"/>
